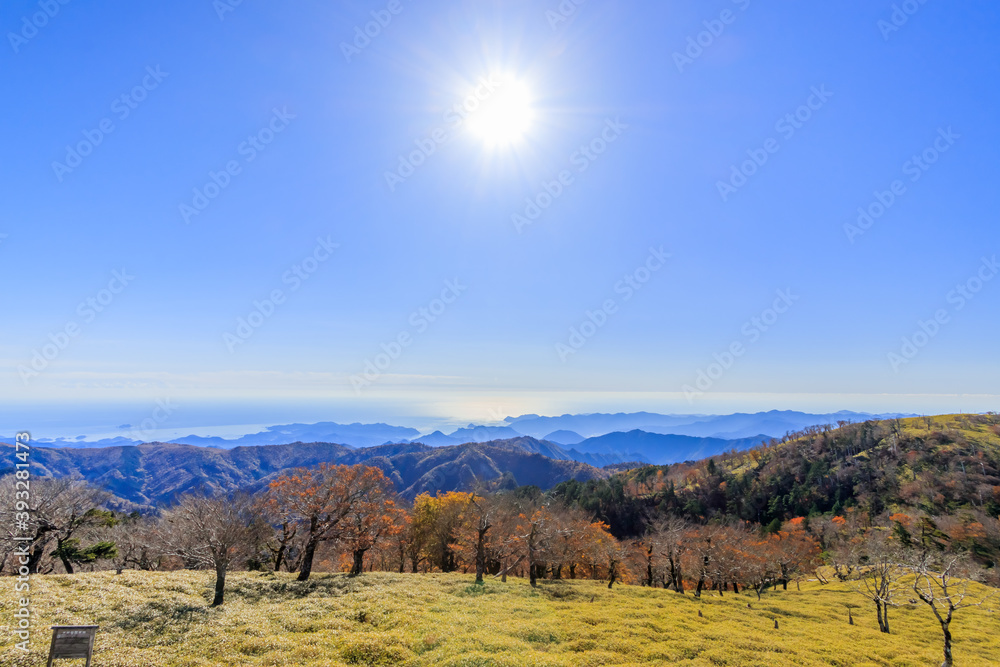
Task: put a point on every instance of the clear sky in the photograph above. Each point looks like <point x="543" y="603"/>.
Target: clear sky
<point x="695" y="165"/>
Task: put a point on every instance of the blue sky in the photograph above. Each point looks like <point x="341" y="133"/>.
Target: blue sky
<point x="353" y="260"/>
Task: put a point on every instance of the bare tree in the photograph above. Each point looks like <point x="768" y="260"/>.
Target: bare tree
<point x="479" y="518"/>
<point x="58" y="511"/>
<point x="214" y="533"/>
<point x="945" y="583"/>
<point x="880" y="568"/>
<point x="669" y="538"/>
<point x="135" y="543"/>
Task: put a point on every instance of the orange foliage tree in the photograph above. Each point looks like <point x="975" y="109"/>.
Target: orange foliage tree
<point x="322" y="499"/>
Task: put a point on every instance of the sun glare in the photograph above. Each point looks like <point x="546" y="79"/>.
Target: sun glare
<point x="504" y="114"/>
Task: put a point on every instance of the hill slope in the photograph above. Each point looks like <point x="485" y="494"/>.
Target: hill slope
<point x="942" y="466"/>
<point x="160" y="619"/>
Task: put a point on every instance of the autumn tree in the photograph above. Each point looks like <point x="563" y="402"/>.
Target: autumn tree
<point x="705" y="546"/>
<point x="795" y="554"/>
<point x="321" y="499"/>
<point x="505" y="544"/>
<point x="441" y="516"/>
<point x="373" y="515"/>
<point x="533" y="530"/>
<point x="284" y="544"/>
<point x="601" y="550"/>
<point x="612" y="551"/>
<point x="478" y="518"/>
<point x="418" y="531"/>
<point x="213" y="532"/>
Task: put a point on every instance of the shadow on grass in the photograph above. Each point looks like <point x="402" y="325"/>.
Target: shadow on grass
<point x="270" y="587"/>
<point x="158" y="614"/>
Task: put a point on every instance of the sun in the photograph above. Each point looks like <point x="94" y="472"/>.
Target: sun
<point x="504" y="116"/>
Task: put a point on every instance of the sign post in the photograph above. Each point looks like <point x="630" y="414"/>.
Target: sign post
<point x="72" y="641"/>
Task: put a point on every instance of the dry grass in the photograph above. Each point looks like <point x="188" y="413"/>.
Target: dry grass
<point x="163" y="618"/>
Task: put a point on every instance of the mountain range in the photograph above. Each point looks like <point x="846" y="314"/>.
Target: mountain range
<point x="567" y="430"/>
<point x="156" y="473"/>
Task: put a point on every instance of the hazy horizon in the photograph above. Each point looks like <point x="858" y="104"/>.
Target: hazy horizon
<point x="232" y="420"/>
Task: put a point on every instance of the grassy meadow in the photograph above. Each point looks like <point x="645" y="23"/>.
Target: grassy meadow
<point x="150" y="619"/>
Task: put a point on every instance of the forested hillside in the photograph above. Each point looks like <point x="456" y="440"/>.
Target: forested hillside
<point x="943" y="468"/>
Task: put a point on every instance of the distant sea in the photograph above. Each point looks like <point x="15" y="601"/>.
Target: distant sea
<point x="227" y="420"/>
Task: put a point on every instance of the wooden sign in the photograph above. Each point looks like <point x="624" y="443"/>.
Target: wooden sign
<point x="72" y="641"/>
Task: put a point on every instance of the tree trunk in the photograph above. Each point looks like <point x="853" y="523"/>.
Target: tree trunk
<point x="531" y="558"/>
<point x="65" y="561"/>
<point x="278" y="557"/>
<point x="701" y="577"/>
<point x="220" y="583"/>
<point x="307" y="560"/>
<point x="948" y="661"/>
<point x="481" y="554"/>
<point x="359" y="560"/>
<point x="37" y="551"/>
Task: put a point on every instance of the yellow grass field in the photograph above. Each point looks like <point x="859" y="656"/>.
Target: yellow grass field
<point x="150" y="619"/>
